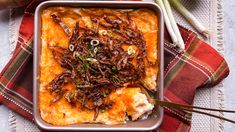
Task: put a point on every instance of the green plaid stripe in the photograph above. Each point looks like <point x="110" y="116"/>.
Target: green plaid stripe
<point x="16" y="64"/>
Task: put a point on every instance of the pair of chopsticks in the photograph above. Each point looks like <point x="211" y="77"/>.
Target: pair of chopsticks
<point x="171" y="23"/>
<point x="190" y="109"/>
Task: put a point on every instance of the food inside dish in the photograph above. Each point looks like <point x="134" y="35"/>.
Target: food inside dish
<point x="96" y="63"/>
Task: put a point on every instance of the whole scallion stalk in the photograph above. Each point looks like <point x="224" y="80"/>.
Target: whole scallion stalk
<point x="174" y="25"/>
<point x="190" y="17"/>
<point x="167" y="22"/>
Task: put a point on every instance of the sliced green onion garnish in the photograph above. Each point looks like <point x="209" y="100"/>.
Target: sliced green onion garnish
<point x="110" y="33"/>
<point x="77" y="83"/>
<point x="71" y="47"/>
<point x="103" y="32"/>
<point x="95" y="42"/>
<point x="95" y="50"/>
<point x="130" y="50"/>
<point x="76" y="55"/>
<point x="105" y="95"/>
<point x="69" y="96"/>
<point x="91" y="59"/>
<point x="92" y="55"/>
<point x="103" y="110"/>
<point x="114" y="68"/>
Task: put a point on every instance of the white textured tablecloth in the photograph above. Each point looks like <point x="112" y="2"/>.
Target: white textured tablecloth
<point x="209" y="12"/>
<point x="4" y="56"/>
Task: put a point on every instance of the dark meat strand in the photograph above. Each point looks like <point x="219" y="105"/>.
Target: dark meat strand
<point x="75" y="36"/>
<point x="62" y="25"/>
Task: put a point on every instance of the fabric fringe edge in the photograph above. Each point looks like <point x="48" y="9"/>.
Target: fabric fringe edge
<point x="12" y="121"/>
<point x="220" y="94"/>
<point x="12" y="41"/>
<point x="220" y="49"/>
<point x="12" y="32"/>
<point x="220" y="28"/>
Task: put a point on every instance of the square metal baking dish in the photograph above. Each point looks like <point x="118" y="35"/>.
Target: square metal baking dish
<point x="149" y="124"/>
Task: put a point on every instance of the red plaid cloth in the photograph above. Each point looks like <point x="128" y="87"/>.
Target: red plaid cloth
<point x="199" y="66"/>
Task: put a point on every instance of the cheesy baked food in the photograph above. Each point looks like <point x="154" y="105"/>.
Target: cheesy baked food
<point x="95" y="64"/>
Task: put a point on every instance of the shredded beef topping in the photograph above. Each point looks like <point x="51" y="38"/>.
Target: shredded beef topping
<point x="96" y="63"/>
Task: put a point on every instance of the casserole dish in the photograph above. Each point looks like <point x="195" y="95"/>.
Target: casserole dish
<point x="151" y="122"/>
